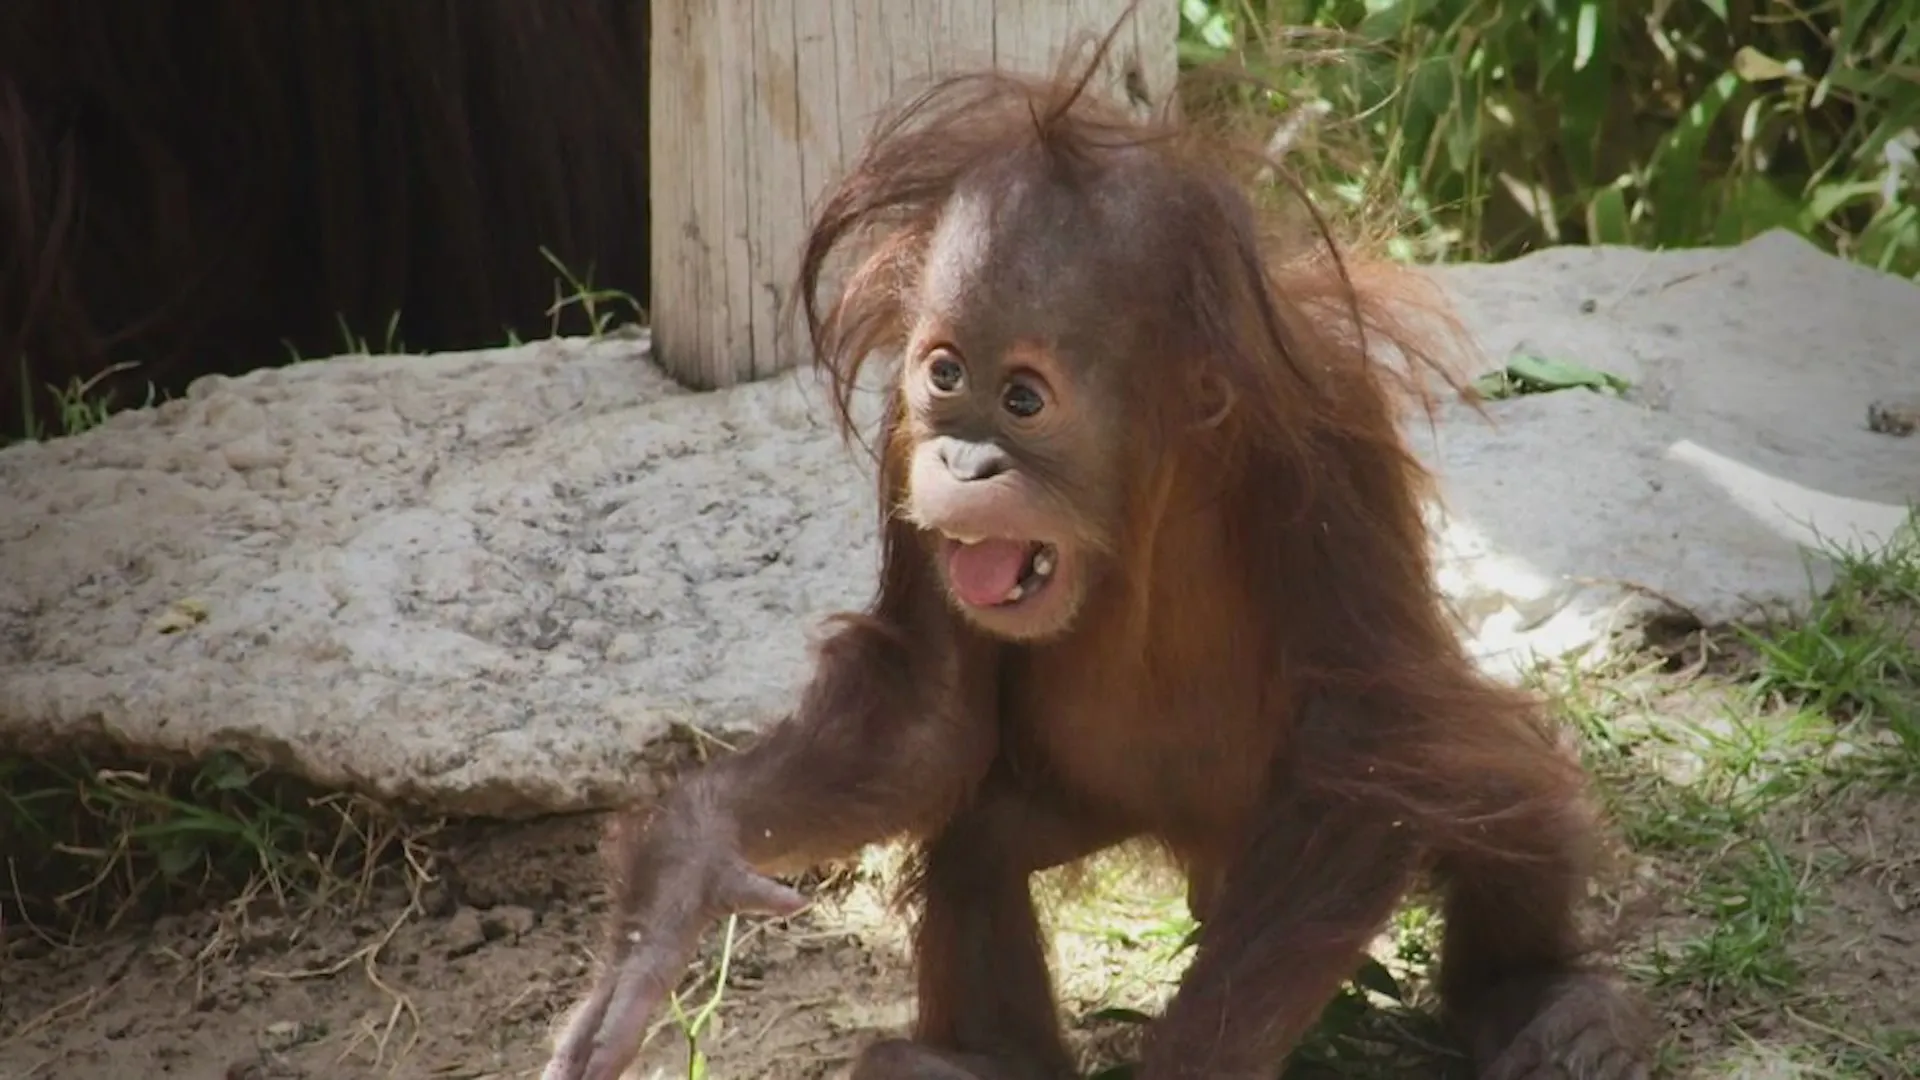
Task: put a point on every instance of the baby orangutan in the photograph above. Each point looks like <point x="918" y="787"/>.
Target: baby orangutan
<point x="1153" y="568"/>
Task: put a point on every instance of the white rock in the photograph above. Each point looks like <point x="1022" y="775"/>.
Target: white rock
<point x="484" y="581"/>
<point x="487" y="581"/>
<point x="1742" y="448"/>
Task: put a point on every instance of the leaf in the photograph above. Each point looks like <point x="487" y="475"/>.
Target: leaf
<point x="1374" y="976"/>
<point x="1494" y="386"/>
<point x="1431" y="90"/>
<point x="1586" y="34"/>
<point x="176" y="859"/>
<point x="1585" y="86"/>
<point x="1608" y="220"/>
<point x="1753" y="204"/>
<point x="1463" y="130"/>
<point x="1206" y="34"/>
<point x="1525" y="373"/>
<point x="1875" y="82"/>
<point x="1673" y="180"/>
<point x="1753" y="65"/>
<point x="1388" y="20"/>
<point x="1209" y="22"/>
<point x="1561" y="374"/>
<point x="225" y="772"/>
<point x="1891" y="241"/>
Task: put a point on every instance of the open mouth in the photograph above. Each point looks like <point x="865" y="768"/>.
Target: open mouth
<point x="1000" y="573"/>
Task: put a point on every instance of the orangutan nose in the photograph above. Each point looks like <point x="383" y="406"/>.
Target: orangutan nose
<point x="969" y="461"/>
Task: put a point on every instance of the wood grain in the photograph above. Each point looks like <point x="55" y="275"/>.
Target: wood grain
<point x="756" y="105"/>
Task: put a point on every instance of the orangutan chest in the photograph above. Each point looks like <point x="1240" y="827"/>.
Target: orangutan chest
<point x="1174" y="761"/>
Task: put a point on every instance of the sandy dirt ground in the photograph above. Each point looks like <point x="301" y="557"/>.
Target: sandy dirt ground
<point x="1774" y="937"/>
<point x="461" y="975"/>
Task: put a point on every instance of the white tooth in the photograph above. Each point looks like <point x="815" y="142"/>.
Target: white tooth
<point x="1043" y="563"/>
<point x="1015" y="593"/>
<point x="969" y="541"/>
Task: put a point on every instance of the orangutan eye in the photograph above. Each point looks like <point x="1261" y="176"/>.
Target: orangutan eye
<point x="946" y="373"/>
<point x="1022" y="400"/>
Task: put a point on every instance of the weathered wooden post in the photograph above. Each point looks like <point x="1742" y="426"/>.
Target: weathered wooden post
<point x="756" y="104"/>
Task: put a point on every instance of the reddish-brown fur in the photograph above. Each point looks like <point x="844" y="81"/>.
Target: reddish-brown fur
<point x="1249" y="662"/>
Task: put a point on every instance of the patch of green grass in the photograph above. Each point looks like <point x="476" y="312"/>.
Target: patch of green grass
<point x="1699" y="793"/>
<point x="86" y="845"/>
<point x="1857" y="656"/>
<point x="1729" y="778"/>
<point x="1754" y="897"/>
<point x="1816" y="1050"/>
<point x="1881" y="1052"/>
<point x="604" y="310"/>
<point x="1842" y="661"/>
<point x="602" y="307"/>
<point x="356" y="344"/>
<point x="78" y="407"/>
<point x="82" y="405"/>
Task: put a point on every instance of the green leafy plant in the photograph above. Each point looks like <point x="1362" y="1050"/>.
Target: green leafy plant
<point x="1525" y="373"/>
<point x="1507" y="124"/>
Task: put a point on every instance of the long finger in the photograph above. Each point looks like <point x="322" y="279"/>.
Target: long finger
<point x="645" y="978"/>
<point x="569" y="1059"/>
<point x="746" y="892"/>
<point x="585" y="1029"/>
<point x="605" y="1034"/>
<point x="653" y="966"/>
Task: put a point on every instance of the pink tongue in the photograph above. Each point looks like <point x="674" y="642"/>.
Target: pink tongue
<point x="985" y="572"/>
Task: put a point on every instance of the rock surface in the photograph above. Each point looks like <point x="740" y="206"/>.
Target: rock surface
<point x="491" y="582"/>
<point x="1742" y="449"/>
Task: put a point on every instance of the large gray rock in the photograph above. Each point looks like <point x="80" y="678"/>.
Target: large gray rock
<point x="490" y="582"/>
<point x="485" y="581"/>
<point x="1710" y="489"/>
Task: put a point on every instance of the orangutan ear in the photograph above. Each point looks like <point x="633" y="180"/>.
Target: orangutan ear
<point x="1211" y="399"/>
